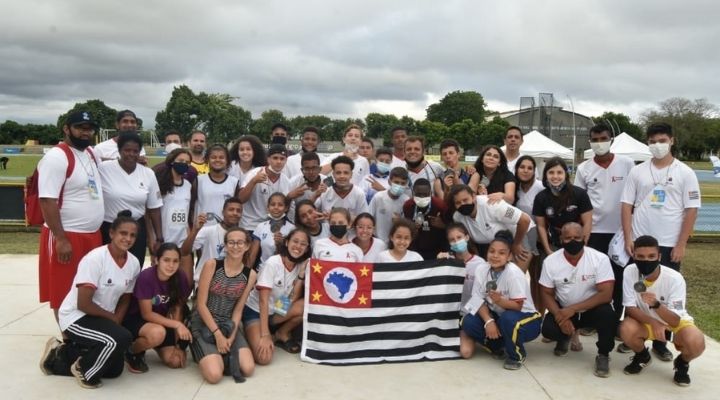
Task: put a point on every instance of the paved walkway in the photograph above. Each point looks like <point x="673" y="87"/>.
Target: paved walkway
<point x="25" y="325"/>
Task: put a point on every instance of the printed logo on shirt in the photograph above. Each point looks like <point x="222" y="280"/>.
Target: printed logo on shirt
<point x="159" y="299"/>
<point x="549" y="211"/>
<point x="109" y="282"/>
<point x="142" y="185"/>
<point x="571" y="208"/>
<point x="509" y="213"/>
<point x="586" y="278"/>
<point x="616" y="178"/>
<point x="693" y="195"/>
<point x="677" y="304"/>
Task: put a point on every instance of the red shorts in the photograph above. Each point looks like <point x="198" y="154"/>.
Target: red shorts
<point x="55" y="278"/>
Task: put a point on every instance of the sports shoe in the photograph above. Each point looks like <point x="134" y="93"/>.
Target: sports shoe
<point x="498" y="354"/>
<point x="513" y="365"/>
<point x="80" y="377"/>
<point x="638" y="362"/>
<point x="48" y="355"/>
<point x="561" y="348"/>
<point x="586" y="331"/>
<point x="602" y="366"/>
<point x="662" y="353"/>
<point x="623" y="348"/>
<point x="681" y="377"/>
<point x="136" y="362"/>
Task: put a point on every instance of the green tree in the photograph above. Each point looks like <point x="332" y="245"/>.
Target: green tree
<point x="467" y="133"/>
<point x="183" y="112"/>
<point x="620" y="123"/>
<point x="691" y="121"/>
<point x="261" y="126"/>
<point x="493" y="132"/>
<point x="433" y="132"/>
<point x="379" y="125"/>
<point x="300" y="122"/>
<point x="457" y="106"/>
<point x="104" y="115"/>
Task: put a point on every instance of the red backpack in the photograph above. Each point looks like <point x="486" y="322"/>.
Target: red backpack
<point x="33" y="213"/>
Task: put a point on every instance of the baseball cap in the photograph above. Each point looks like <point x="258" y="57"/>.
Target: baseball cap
<point x="81" y="117"/>
<point x="277" y="149"/>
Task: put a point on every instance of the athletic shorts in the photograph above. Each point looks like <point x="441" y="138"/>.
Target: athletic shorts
<point x="682" y="325"/>
<point x="135" y="322"/>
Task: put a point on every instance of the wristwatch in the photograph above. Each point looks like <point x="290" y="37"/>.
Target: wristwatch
<point x="656" y="305"/>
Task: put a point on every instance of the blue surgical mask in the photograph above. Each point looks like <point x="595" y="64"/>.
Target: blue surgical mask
<point x="396" y="190"/>
<point x="382" y="167"/>
<point x="460" y="246"/>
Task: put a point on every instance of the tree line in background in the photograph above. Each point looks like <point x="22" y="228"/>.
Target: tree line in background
<point x="461" y="115"/>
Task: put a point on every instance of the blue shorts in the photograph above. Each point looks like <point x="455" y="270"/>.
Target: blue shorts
<point x="250" y="316"/>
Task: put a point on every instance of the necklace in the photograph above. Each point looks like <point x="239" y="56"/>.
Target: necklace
<point x="667" y="173"/>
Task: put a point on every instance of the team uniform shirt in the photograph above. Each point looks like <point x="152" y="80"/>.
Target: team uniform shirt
<point x="471" y="267"/>
<point x="149" y="287"/>
<point x="574" y="284"/>
<point x="660" y="197"/>
<point x="137" y="191"/>
<point x="326" y="249"/>
<point x="525" y="199"/>
<point x="82" y="209"/>
<point x="175" y="213"/>
<point x="293" y="166"/>
<point x="264" y="234"/>
<point x="397" y="162"/>
<point x="511" y="283"/>
<point x="384" y="208"/>
<point x="108" y="150"/>
<point x="275" y="277"/>
<point x="386" y="257"/>
<point x="430" y="171"/>
<point x="604" y="186"/>
<point x="295" y="182"/>
<point x="359" y="172"/>
<point x="489" y="219"/>
<point x="376" y="247"/>
<point x="110" y="281"/>
<point x="237" y="172"/>
<point x="545" y="206"/>
<point x="201" y="168"/>
<point x="211" y="241"/>
<point x="367" y="186"/>
<point x="255" y="209"/>
<point x="353" y="201"/>
<point x="211" y="195"/>
<point x="324" y="233"/>
<point x="669" y="289"/>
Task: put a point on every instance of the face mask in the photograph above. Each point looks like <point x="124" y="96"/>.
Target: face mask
<point x="659" y="150"/>
<point x="279" y="140"/>
<point x="273" y="171"/>
<point x="383" y="168"/>
<point x="466" y="209"/>
<point x="600" y="148"/>
<point x="180" y="168"/>
<point x="460" y="246"/>
<point x="351" y="148"/>
<point x="270" y="217"/>
<point x="557" y="189"/>
<point x="573" y="247"/>
<point x="422" y="202"/>
<point x="295" y="260"/>
<point x="647" y="267"/>
<point x="339" y="231"/>
<point x="396" y="190"/>
<point x="80" y="144"/>
<point x="414" y="164"/>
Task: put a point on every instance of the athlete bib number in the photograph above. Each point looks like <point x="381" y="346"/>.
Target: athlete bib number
<point x="178" y="217"/>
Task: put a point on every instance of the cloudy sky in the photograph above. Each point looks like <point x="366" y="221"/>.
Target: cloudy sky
<point x="343" y="58"/>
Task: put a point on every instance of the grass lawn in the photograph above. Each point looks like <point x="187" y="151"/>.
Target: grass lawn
<point x="699" y="268"/>
<point x="24" y="165"/>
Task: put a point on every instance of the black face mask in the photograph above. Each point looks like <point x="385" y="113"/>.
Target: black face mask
<point x="80" y="144"/>
<point x="573" y="247"/>
<point x="466" y="209"/>
<point x="339" y="231"/>
<point x="296" y="260"/>
<point x="180" y="168"/>
<point x="647" y="267"/>
<point x="279" y="140"/>
<point x="414" y="164"/>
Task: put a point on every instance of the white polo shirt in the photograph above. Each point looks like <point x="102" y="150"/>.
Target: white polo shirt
<point x="386" y="257"/>
<point x="263" y="234"/>
<point x="211" y="241"/>
<point x="376" y="247"/>
<point x="108" y="150"/>
<point x="574" y="284"/>
<point x="359" y="172"/>
<point x="82" y="211"/>
<point x="255" y="209"/>
<point x="669" y="288"/>
<point x="511" y="283"/>
<point x="327" y="250"/>
<point x="604" y="186"/>
<point x="384" y="208"/>
<point x="660" y="197"/>
<point x="136" y="191"/>
<point x="211" y="195"/>
<point x="354" y="201"/>
<point x="110" y="280"/>
<point x="471" y="267"/>
<point x="489" y="219"/>
<point x="273" y="276"/>
<point x="293" y="166"/>
<point x="176" y="213"/>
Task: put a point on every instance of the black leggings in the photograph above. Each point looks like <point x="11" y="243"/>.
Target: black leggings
<point x="602" y="318"/>
<point x="138" y="249"/>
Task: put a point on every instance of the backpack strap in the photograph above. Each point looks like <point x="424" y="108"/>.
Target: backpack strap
<point x="70" y="168"/>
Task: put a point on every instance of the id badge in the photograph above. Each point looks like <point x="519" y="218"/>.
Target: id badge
<point x="657" y="197"/>
<point x="282" y="305"/>
<point x="93" y="189"/>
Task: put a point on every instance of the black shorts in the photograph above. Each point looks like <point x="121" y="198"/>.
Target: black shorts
<point x="135" y="322"/>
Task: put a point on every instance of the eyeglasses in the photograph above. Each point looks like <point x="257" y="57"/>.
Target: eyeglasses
<point x="232" y="243"/>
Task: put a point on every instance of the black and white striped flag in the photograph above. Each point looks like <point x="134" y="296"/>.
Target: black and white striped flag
<point x="357" y="313"/>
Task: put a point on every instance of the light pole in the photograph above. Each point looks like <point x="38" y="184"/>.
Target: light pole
<point x="572" y="107"/>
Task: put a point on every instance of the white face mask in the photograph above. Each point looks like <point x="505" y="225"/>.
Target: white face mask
<point x="600" y="148"/>
<point x="422" y="202"/>
<point x="352" y="148"/>
<point x="659" y="150"/>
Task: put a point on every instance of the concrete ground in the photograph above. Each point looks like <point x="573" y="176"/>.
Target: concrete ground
<point x="25" y="326"/>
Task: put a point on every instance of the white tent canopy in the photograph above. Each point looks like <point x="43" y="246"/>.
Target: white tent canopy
<point x="539" y="146"/>
<point x="626" y="145"/>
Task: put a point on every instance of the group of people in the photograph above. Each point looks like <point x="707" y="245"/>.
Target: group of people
<point x="230" y="231"/>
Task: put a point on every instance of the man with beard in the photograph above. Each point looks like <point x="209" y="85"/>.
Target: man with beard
<point x="197" y="147"/>
<point x="125" y="120"/>
<point x="417" y="166"/>
<point x="309" y="143"/>
<point x="71" y="201"/>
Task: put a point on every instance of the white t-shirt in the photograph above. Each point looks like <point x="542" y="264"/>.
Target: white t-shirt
<point x="386" y="257"/>
<point x="324" y="233"/>
<point x="604" y="186"/>
<point x="211" y="195"/>
<point x="137" y="191"/>
<point x="397" y="162"/>
<point x="471" y="267"/>
<point x="354" y="201"/>
<point x="669" y="288"/>
<point x="384" y="208"/>
<point x="273" y="276"/>
<point x="574" y="284"/>
<point x="511" y="163"/>
<point x="82" y="210"/>
<point x="234" y="170"/>
<point x="176" y="213"/>
<point x="108" y="150"/>
<point x="109" y="279"/>
<point x="376" y="246"/>
<point x="263" y="233"/>
<point x="525" y="200"/>
<point x="430" y="171"/>
<point x="255" y="209"/>
<point x="359" y="172"/>
<point x="511" y="283"/>
<point x="293" y="166"/>
<point x="489" y="219"/>
<point x="660" y="197"/>
<point x="326" y="249"/>
<point x="211" y="241"/>
<point x="295" y="182"/>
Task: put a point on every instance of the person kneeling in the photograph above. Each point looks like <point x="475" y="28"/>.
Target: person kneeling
<point x="654" y="300"/>
<point x="500" y="313"/>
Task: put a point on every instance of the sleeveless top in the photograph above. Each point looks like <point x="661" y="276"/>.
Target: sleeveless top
<point x="225" y="291"/>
